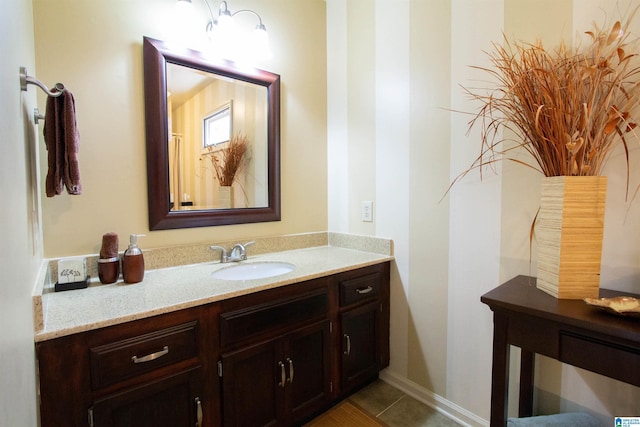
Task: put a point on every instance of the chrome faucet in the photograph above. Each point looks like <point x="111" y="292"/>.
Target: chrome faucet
<point x="237" y="253"/>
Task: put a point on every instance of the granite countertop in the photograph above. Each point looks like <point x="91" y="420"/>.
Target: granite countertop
<point x="169" y="289"/>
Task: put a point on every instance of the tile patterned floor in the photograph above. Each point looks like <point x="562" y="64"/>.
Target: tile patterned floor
<point x="396" y="409"/>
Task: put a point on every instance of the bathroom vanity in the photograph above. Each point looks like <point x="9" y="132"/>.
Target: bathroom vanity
<point x="250" y="353"/>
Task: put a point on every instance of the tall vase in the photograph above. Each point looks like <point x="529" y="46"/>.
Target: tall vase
<point x="225" y="197"/>
<point x="569" y="233"/>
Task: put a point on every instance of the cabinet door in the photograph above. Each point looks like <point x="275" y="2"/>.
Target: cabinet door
<point x="308" y="366"/>
<point x="171" y="401"/>
<point x="360" y="346"/>
<point x="251" y="392"/>
<point x="278" y="382"/>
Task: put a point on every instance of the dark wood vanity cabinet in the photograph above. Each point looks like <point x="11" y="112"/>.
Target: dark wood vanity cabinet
<point x="150" y="372"/>
<point x="173" y="400"/>
<point x="364" y="326"/>
<point x="280" y="381"/>
<point x="276" y="357"/>
<point x="358" y="352"/>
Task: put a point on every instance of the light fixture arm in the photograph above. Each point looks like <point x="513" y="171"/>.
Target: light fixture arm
<point x="210" y="14"/>
<point x="223" y="9"/>
<point x="260" y="25"/>
<point x="221" y="30"/>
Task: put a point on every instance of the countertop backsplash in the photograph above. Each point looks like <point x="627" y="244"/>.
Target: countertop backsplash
<point x="173" y="256"/>
<point x="200" y="253"/>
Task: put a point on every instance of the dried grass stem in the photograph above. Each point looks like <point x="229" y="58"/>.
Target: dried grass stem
<point x="229" y="161"/>
<point x="568" y="110"/>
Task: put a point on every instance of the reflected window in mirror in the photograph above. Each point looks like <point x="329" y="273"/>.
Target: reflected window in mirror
<point x="218" y="126"/>
<point x="200" y="109"/>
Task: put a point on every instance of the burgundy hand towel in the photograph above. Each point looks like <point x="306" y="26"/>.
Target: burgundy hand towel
<point x="62" y="141"/>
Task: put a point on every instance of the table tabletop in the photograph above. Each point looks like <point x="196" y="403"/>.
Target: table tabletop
<point x="521" y="295"/>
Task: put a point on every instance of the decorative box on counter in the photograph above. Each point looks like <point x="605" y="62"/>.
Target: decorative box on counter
<point x="72" y="274"/>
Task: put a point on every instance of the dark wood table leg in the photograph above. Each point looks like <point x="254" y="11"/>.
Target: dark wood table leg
<point x="500" y="371"/>
<point x="527" y="370"/>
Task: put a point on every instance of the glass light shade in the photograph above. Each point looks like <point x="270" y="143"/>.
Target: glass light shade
<point x="226" y="25"/>
<point x="226" y="39"/>
<point x="184" y="23"/>
<point x="184" y="7"/>
<point x="260" y="45"/>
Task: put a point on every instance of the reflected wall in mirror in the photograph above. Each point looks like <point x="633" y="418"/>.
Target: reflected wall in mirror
<point x="205" y="113"/>
<point x="204" y="117"/>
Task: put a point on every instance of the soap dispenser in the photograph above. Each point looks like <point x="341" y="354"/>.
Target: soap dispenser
<point x="133" y="261"/>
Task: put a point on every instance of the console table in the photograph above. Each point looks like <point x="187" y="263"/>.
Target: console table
<point x="570" y="331"/>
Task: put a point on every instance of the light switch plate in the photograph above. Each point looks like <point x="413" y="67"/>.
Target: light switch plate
<point x="367" y="211"/>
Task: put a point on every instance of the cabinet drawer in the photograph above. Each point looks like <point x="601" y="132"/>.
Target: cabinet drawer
<point x="124" y="359"/>
<point x="252" y="321"/>
<point x="360" y="289"/>
<point x="588" y="353"/>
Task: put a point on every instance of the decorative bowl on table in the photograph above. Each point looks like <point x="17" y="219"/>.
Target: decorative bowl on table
<point x="623" y="305"/>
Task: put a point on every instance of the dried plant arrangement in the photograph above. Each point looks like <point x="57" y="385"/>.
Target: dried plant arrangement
<point x="229" y="161"/>
<point x="567" y="108"/>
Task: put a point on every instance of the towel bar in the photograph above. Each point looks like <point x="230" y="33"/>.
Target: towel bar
<point x="27" y="80"/>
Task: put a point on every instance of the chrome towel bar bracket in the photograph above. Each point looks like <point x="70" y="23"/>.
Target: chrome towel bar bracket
<point x="28" y="80"/>
<point x="25" y="80"/>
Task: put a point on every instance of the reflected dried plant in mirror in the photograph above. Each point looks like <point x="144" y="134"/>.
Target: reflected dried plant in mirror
<point x="229" y="161"/>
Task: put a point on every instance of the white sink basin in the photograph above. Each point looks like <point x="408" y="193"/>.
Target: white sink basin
<point x="253" y="270"/>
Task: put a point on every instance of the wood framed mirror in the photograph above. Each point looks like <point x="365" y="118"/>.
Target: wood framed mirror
<point x="183" y="90"/>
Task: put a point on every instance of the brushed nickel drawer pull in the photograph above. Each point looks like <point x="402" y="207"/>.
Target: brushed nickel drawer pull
<point x="290" y="370"/>
<point x="364" y="291"/>
<point x="347" y="352"/>
<point x="150" y="357"/>
<point x="283" y="375"/>
<point x="199" y="412"/>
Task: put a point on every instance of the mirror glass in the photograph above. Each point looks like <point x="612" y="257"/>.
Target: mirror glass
<point x="205" y="113"/>
<point x="212" y="140"/>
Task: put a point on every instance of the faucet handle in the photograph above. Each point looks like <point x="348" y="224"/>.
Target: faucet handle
<point x="223" y="253"/>
<point x="244" y="249"/>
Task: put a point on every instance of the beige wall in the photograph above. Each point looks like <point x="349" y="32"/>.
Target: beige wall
<point x="94" y="48"/>
<point x="395" y="76"/>
<point x="389" y="138"/>
<point x="21" y="250"/>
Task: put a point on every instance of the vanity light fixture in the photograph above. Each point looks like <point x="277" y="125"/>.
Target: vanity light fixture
<point x="228" y="39"/>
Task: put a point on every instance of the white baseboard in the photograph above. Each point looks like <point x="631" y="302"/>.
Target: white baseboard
<point x="437" y="402"/>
